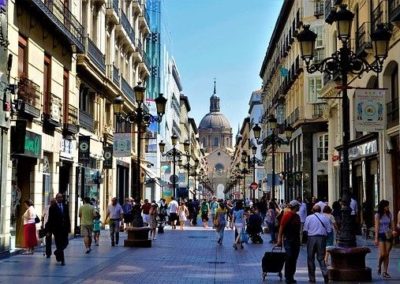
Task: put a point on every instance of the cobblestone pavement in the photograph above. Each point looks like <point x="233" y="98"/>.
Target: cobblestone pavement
<point x="189" y="256"/>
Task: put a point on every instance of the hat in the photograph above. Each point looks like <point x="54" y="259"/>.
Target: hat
<point x="294" y="203"/>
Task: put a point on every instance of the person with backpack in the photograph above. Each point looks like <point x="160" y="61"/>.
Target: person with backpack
<point x="205" y="209"/>
<point x="289" y="236"/>
<point x="220" y="222"/>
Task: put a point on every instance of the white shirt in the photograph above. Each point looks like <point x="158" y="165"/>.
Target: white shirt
<point x="302" y="212"/>
<point x="173" y="206"/>
<point x="353" y="206"/>
<point x="115" y="211"/>
<point x="314" y="227"/>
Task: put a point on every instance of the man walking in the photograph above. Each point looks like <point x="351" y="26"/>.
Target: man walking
<point x="317" y="226"/>
<point x="115" y="214"/>
<point x="59" y="224"/>
<point x="289" y="232"/>
<point x="213" y="208"/>
<point x="173" y="212"/>
<point x="87" y="213"/>
<point x="303" y="215"/>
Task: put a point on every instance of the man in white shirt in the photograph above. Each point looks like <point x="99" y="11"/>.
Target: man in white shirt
<point x="173" y="212"/>
<point x="303" y="215"/>
<point x="317" y="226"/>
<point x="115" y="213"/>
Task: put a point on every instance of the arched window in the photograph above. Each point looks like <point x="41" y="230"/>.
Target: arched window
<point x="216" y="142"/>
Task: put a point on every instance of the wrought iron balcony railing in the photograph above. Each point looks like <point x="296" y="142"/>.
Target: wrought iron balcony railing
<point x="394" y="10"/>
<point x="71" y="123"/>
<point x="127" y="90"/>
<point x="113" y="74"/>
<point x="86" y="120"/>
<point x="96" y="55"/>
<point x="363" y="38"/>
<point x="60" y="17"/>
<point x="377" y="16"/>
<point x="127" y="27"/>
<point x="28" y="97"/>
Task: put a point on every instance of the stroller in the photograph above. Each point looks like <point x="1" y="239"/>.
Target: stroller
<point x="254" y="228"/>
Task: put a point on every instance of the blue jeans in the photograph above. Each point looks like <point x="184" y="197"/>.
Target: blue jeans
<point x="220" y="232"/>
<point x="292" y="249"/>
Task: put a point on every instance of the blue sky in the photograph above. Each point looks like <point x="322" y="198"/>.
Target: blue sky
<point x="225" y="39"/>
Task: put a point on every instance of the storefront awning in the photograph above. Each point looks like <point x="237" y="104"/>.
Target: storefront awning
<point x="149" y="172"/>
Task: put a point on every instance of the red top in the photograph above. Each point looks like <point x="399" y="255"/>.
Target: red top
<point x="287" y="216"/>
<point x="146" y="208"/>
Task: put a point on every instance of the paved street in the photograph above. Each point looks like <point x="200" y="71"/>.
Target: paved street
<point x="189" y="256"/>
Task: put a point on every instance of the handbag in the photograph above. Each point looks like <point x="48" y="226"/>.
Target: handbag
<point x="244" y="236"/>
<point x="37" y="219"/>
<point x="389" y="234"/>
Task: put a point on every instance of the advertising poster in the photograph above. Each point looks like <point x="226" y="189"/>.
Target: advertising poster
<point x="122" y="144"/>
<point x="370" y="110"/>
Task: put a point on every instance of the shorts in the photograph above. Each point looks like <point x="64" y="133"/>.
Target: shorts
<point x="173" y="217"/>
<point x="204" y="217"/>
<point x="382" y="238"/>
<point x="86" y="230"/>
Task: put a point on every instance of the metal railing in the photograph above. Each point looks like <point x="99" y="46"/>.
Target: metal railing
<point x="127" y="90"/>
<point x="64" y="15"/>
<point x="96" y="55"/>
<point x="116" y="76"/>
<point x="394" y="10"/>
<point x="29" y="92"/>
<point x="86" y="120"/>
<point x="127" y="27"/>
<point x="377" y="16"/>
<point x="72" y="116"/>
<point x="318" y="109"/>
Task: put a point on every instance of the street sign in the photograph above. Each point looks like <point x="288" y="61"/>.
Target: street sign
<point x="254" y="185"/>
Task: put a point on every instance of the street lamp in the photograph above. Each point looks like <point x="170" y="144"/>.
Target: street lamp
<point x="274" y="140"/>
<point x="142" y="118"/>
<point x="175" y="155"/>
<point x="345" y="61"/>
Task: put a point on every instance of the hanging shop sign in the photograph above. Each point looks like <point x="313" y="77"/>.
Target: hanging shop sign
<point x="25" y="142"/>
<point x="66" y="148"/>
<point x="122" y="144"/>
<point x="370" y="110"/>
<point x="84" y="149"/>
<point x="108" y="157"/>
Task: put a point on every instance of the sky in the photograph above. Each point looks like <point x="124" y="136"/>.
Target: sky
<point x="222" y="39"/>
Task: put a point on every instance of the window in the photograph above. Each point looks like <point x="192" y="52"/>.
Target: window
<point x="47" y="83"/>
<point x="314" y="89"/>
<point x="319" y="8"/>
<point x="319" y="30"/>
<point x="22" y="57"/>
<point x="322" y="149"/>
<point x="319" y="55"/>
<point x="216" y="142"/>
<point x="86" y="99"/>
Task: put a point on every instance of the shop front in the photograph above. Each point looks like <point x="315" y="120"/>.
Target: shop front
<point x="26" y="149"/>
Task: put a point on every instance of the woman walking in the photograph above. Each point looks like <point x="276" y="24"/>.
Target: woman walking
<point x="271" y="221"/>
<point x="30" y="239"/>
<point x="205" y="209"/>
<point x="183" y="212"/>
<point x="153" y="219"/>
<point x="238" y="221"/>
<point x="384" y="233"/>
<point x="220" y="222"/>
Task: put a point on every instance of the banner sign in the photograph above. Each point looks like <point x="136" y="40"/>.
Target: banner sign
<point x="122" y="144"/>
<point x="108" y="157"/>
<point x="370" y="110"/>
<point x="84" y="149"/>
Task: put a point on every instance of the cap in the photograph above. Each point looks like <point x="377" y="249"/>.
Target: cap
<point x="294" y="203"/>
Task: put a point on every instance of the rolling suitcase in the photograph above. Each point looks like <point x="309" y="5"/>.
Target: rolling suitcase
<point x="273" y="262"/>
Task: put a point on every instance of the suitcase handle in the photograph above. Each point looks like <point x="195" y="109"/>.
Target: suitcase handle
<point x="277" y="248"/>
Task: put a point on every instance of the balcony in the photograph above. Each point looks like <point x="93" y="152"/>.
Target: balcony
<point x="127" y="27"/>
<point x="86" y="120"/>
<point x="377" y="16"/>
<point x="58" y="17"/>
<point x="52" y="117"/>
<point x="363" y="39"/>
<point x="28" y="103"/>
<point x="330" y="11"/>
<point x="144" y="21"/>
<point x="113" y="74"/>
<point x="71" y="126"/>
<point x="392" y="113"/>
<point x="95" y="55"/>
<point x="394" y="10"/>
<point x="112" y="11"/>
<point x="318" y="110"/>
<point x="138" y="54"/>
<point x="127" y="90"/>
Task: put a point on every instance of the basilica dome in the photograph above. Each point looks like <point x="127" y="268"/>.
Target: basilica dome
<point x="214" y="120"/>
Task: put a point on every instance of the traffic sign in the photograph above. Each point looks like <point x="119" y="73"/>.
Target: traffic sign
<point x="254" y="185"/>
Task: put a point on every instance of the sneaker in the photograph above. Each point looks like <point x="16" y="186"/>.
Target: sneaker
<point x="88" y="250"/>
<point x="112" y="244"/>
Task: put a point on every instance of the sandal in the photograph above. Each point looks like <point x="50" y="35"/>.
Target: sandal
<point x="386" y="275"/>
<point x="379" y="271"/>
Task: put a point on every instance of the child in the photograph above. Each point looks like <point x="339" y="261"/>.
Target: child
<point x="96" y="228"/>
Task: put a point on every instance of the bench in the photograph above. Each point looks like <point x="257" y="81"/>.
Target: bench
<point x="138" y="237"/>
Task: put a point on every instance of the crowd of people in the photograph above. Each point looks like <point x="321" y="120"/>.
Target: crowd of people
<point x="290" y="225"/>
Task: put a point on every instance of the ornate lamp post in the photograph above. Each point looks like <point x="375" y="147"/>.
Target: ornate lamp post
<point x="345" y="61"/>
<point x="176" y="155"/>
<point x="142" y="118"/>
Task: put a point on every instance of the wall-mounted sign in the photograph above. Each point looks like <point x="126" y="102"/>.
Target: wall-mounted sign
<point x="84" y="149"/>
<point x="25" y="142"/>
<point x="66" y="148"/>
<point x="108" y="157"/>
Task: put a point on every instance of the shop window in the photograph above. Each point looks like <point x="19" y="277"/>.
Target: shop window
<point x="322" y="149"/>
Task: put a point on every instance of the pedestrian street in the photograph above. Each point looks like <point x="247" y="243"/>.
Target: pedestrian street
<point x="188" y="256"/>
